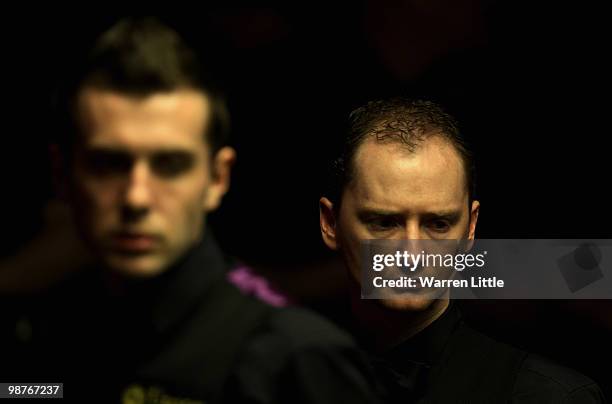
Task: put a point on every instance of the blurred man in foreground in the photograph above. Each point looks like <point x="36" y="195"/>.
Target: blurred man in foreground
<point x="142" y="158"/>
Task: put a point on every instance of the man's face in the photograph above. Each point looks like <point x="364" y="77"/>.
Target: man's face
<point x="142" y="177"/>
<point x="396" y="194"/>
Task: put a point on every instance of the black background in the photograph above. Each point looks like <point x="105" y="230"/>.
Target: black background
<point x="529" y="84"/>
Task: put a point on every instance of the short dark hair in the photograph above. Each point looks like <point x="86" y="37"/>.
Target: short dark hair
<point x="407" y="121"/>
<point x="139" y="57"/>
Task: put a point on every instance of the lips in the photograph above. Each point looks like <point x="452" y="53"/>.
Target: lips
<point x="135" y="243"/>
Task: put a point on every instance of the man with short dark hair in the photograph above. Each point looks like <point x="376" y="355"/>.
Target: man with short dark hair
<point x="405" y="173"/>
<point x="144" y="148"/>
<point x="143" y="157"/>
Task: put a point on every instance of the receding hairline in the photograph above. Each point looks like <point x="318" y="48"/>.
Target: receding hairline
<point x="407" y="150"/>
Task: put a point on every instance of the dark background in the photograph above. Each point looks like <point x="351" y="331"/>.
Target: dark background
<point x="528" y="83"/>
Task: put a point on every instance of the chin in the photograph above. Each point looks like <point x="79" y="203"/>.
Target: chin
<point x="412" y="303"/>
<point x="136" y="267"/>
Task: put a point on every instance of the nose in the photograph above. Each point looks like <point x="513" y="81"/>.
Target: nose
<point x="413" y="230"/>
<point x="138" y="196"/>
<point x="414" y="233"/>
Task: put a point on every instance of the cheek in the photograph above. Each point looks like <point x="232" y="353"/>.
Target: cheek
<point x="352" y="262"/>
<point x="349" y="241"/>
<point x="102" y="195"/>
<point x="183" y="202"/>
<point x="350" y="229"/>
<point x="462" y="229"/>
<point x="95" y="197"/>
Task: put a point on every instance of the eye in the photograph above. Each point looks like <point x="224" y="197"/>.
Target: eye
<point x="171" y="164"/>
<point x="382" y="223"/>
<point x="105" y="163"/>
<point x="439" y="225"/>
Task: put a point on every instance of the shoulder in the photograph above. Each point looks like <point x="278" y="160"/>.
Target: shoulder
<point x="526" y="377"/>
<point x="303" y="328"/>
<point x="289" y="326"/>
<point x="542" y="379"/>
<point x="294" y="355"/>
<point x="289" y="336"/>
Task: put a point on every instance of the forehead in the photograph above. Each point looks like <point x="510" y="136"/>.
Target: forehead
<point x="389" y="177"/>
<point x="166" y="119"/>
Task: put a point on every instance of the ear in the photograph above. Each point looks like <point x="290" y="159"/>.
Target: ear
<point x="59" y="171"/>
<point x="328" y="223"/>
<point x="221" y="172"/>
<point x="475" y="208"/>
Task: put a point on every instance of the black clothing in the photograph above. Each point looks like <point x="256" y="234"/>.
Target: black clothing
<point x="449" y="362"/>
<point x="185" y="335"/>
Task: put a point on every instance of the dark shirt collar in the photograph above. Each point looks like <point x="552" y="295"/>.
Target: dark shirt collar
<point x="407" y="368"/>
<point x="427" y="347"/>
<point x="186" y="283"/>
<point x="155" y="306"/>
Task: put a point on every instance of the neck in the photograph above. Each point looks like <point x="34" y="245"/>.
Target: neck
<point x="385" y="327"/>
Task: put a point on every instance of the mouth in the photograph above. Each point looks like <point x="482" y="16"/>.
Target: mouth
<point x="134" y="242"/>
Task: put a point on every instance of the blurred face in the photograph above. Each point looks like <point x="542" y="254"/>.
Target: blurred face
<point x="142" y="177"/>
<point x="396" y="194"/>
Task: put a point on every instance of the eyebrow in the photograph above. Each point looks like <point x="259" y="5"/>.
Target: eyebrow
<point x="151" y="151"/>
<point x="451" y="215"/>
<point x="377" y="212"/>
